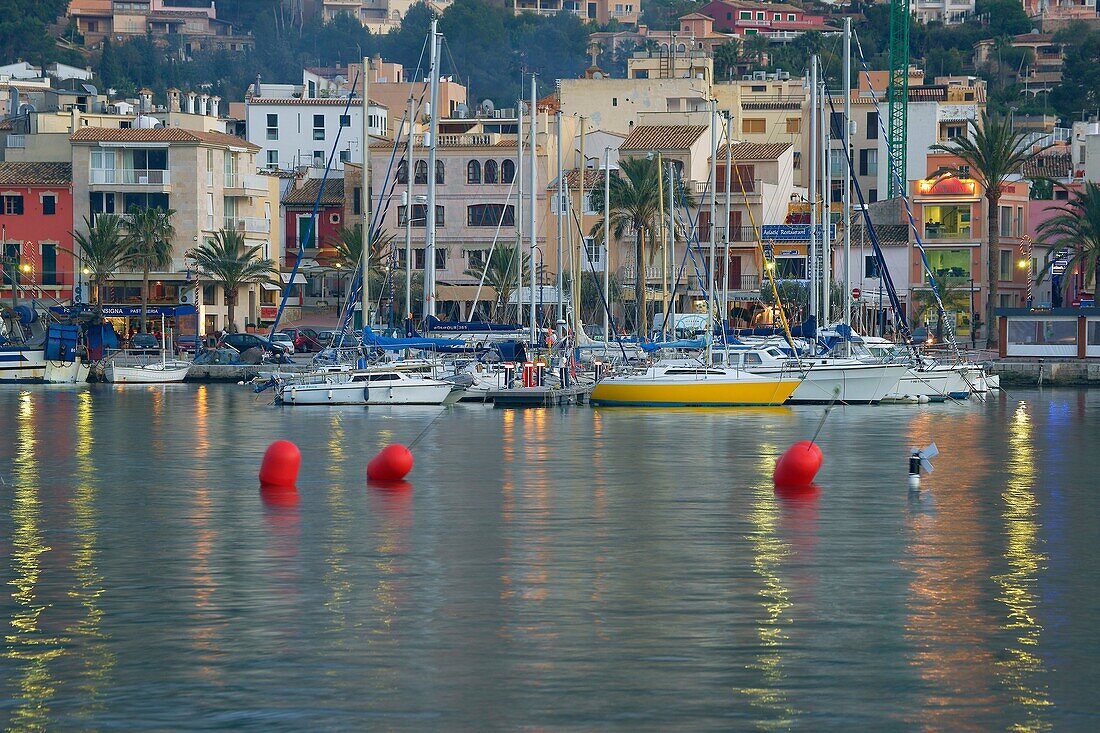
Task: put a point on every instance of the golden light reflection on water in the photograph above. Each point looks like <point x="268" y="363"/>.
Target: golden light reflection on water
<point x="201" y="433"/>
<point x="98" y="660"/>
<point x="28" y="644"/>
<point x="335" y="575"/>
<point x="1022" y="670"/>
<point x="775" y="711"/>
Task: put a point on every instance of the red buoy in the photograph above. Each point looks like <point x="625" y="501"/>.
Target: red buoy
<point x="392" y="463"/>
<point x="280" y="466"/>
<point x="798" y="465"/>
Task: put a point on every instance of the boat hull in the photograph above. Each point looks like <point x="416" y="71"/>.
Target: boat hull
<point x="857" y="383"/>
<point x="152" y="374"/>
<point x="358" y="393"/>
<point x="626" y="392"/>
<point x="937" y="382"/>
<point x="31" y="366"/>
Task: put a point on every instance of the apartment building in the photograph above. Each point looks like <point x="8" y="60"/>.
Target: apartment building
<point x="36" y="216"/>
<point x="1042" y="74"/>
<point x="195" y="28"/>
<point x="379" y="16"/>
<point x="602" y="12"/>
<point x="947" y="12"/>
<point x="779" y="22"/>
<point x="208" y="178"/>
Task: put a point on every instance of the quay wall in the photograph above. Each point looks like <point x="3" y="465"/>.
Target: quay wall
<point x="1055" y="372"/>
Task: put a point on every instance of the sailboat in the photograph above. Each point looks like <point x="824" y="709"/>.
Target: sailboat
<point x="136" y="367"/>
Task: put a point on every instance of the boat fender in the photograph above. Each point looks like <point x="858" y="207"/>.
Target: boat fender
<point x="279" y="469"/>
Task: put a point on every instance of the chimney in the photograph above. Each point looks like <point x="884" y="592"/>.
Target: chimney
<point x="214" y="102"/>
<point x="173" y="100"/>
<point x="191" y="103"/>
<point x="204" y="101"/>
<point x="146" y="97"/>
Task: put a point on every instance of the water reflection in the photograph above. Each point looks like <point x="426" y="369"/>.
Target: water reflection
<point x="774" y="710"/>
<point x="1023" y="671"/>
<point x="29" y="645"/>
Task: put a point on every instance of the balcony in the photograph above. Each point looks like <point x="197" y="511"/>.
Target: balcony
<point x="129" y="177"/>
<point x="238" y="184"/>
<point x="17" y="141"/>
<point x="773" y="101"/>
<point x="248" y="224"/>
<point x="736" y="186"/>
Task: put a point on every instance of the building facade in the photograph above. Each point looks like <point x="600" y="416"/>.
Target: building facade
<point x="208" y="178"/>
<point x="36" y="218"/>
<point x="197" y="28"/>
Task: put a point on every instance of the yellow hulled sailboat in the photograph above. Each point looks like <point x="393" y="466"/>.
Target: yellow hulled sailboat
<point x="691" y="386"/>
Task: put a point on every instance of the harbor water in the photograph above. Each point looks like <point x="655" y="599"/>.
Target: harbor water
<point x="553" y="569"/>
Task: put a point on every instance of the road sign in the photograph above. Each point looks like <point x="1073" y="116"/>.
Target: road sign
<point x="856" y="293"/>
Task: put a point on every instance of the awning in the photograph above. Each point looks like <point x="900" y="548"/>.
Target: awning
<point x="269" y="286"/>
<point x="546" y="294"/>
<point x="462" y="293"/>
<point x="299" y="278"/>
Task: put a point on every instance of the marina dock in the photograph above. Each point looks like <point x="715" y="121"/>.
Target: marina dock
<point x="540" y="396"/>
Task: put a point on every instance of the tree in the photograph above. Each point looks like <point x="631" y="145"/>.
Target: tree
<point x="726" y="57"/>
<point x="500" y="273"/>
<point x="1076" y="228"/>
<point x="348" y="245"/>
<point x="148" y="241"/>
<point x="592" y="295"/>
<point x="995" y="152"/>
<point x="953" y="296"/>
<point x="228" y="260"/>
<point x="101" y="249"/>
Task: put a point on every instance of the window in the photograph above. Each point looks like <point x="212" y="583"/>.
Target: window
<point x="11" y="250"/>
<point x="837" y="163"/>
<point x="319" y="158"/>
<point x="614" y="101"/>
<point x="1005" y="265"/>
<point x="357" y="200"/>
<point x="473" y="172"/>
<point x="345" y="156"/>
<point x="872" y="195"/>
<point x="1006" y="221"/>
<point x="507" y="171"/>
<point x="868" y="162"/>
<point x="439" y="172"/>
<point x="13" y="204"/>
<point x="440" y="258"/>
<point x="102" y="203"/>
<point x="420" y="172"/>
<point x="751" y="126"/>
<point x="49" y="264"/>
<point x="872" y="125"/>
<point x="490" y="171"/>
<point x="273" y="127"/>
<point x="758" y="88"/>
<point x="776" y="16"/>
<point x="1019" y="221"/>
<point x="836" y="125"/>
<point x="790" y="268"/>
<point x="870" y="267"/>
<point x="946" y="222"/>
<point x="794" y="125"/>
<point x="403" y="171"/>
<point x="743" y="15"/>
<point x="318" y="127"/>
<point x="954" y="264"/>
<point x="49" y="204"/>
<point x="790" y="17"/>
<point x="760" y="15"/>
<point x="307" y="235"/>
<point x="418" y="259"/>
<point x="272" y="158"/>
<point x="345" y="121"/>
<point x="490" y="215"/>
<point x="954" y="131"/>
<point x="419" y="215"/>
<point x="475" y="259"/>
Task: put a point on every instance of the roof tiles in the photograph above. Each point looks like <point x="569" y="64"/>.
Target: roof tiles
<point x="157" y="135"/>
<point x="663" y="137"/>
<point x="36" y="174"/>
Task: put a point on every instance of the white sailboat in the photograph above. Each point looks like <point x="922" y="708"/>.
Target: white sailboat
<point x="366" y="387"/>
<point x="136" y="367"/>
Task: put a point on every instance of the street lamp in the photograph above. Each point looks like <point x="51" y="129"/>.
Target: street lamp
<point x="339" y="286"/>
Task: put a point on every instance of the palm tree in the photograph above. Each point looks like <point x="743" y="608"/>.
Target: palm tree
<point x="953" y="296"/>
<point x="348" y="245"/>
<point x="1077" y="229"/>
<point x="995" y="152"/>
<point x="500" y="274"/>
<point x="227" y="259"/>
<point x="148" y="241"/>
<point x="101" y="249"/>
<point x="635" y="191"/>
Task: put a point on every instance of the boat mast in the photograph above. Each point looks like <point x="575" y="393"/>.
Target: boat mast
<point x="826" y="205"/>
<point x="606" y="245"/>
<point x="712" y="301"/>
<point x="429" y="212"/>
<point x="517" y="215"/>
<point x="364" y="199"/>
<point x="532" y="195"/>
<point x="409" y="209"/>
<point x="726" y="229"/>
<point x="847" y="197"/>
<point x="577" y="266"/>
<point x="814" y="269"/>
<point x="561" y="214"/>
<point x="672" y="249"/>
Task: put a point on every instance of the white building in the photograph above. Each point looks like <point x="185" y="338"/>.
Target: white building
<point x="295" y="130"/>
<point x="945" y="11"/>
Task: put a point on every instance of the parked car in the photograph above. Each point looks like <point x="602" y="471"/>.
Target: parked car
<point x="245" y="341"/>
<point x="349" y="340"/>
<point x="187" y="344"/>
<point x="305" y="339"/>
<point x="145" y="342"/>
<point x="284" y="340"/>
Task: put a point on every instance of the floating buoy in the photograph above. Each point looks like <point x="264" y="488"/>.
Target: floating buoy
<point x="392" y="463"/>
<point x="914" y="471"/>
<point x="798" y="466"/>
<point x="279" y="469"/>
<point x="278" y="496"/>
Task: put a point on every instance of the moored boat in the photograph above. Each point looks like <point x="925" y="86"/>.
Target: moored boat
<point x="366" y="387"/>
<point x="693" y="386"/>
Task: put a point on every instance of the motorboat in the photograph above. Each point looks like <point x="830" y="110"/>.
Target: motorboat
<point x="674" y="385"/>
<point x="33" y="350"/>
<point x="366" y="387"/>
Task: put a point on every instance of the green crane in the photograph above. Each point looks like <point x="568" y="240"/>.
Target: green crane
<point x="897" y="94"/>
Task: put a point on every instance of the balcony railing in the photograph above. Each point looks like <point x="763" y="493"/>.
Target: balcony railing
<point x="940" y="233"/>
<point x="17" y="141"/>
<point x="750" y="186"/>
<point x="245" y="181"/>
<point x="130" y="176"/>
<point x="248" y="224"/>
